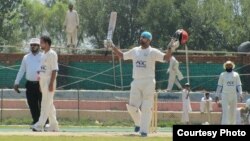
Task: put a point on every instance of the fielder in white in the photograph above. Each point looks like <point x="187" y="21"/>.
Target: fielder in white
<point x="206" y="100"/>
<point x="142" y="90"/>
<point x="229" y="85"/>
<point x="71" y="24"/>
<point x="186" y="105"/>
<point x="206" y="107"/>
<point x="174" y="71"/>
<point x="47" y="81"/>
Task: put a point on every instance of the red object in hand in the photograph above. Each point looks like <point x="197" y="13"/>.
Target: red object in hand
<point x="182" y="35"/>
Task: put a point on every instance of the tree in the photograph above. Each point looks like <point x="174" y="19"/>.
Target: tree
<point x="206" y="21"/>
<point x="96" y="18"/>
<point x="241" y="24"/>
<point x="161" y="18"/>
<point x="9" y="21"/>
<point x="212" y="25"/>
<point x="38" y="19"/>
<point x="54" y="22"/>
<point x="91" y="20"/>
<point x="34" y="15"/>
<point x="128" y="27"/>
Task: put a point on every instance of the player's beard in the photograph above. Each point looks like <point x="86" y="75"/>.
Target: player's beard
<point x="35" y="50"/>
<point x="229" y="69"/>
<point x="143" y="43"/>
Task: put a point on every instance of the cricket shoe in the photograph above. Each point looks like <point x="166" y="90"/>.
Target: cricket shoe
<point x="37" y="128"/>
<point x="137" y="128"/>
<point x="144" y="134"/>
<point x="52" y="129"/>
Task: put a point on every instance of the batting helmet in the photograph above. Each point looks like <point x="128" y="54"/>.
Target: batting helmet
<point x="182" y="35"/>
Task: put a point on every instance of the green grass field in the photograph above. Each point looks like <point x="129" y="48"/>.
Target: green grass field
<point x="81" y="138"/>
<point x="80" y="133"/>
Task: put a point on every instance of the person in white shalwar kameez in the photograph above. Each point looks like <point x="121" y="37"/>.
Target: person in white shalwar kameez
<point x="186" y="105"/>
<point x="71" y="24"/>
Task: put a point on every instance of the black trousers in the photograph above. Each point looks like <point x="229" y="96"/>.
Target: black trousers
<point x="34" y="98"/>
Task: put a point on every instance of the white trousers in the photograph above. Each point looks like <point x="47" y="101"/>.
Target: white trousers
<point x="72" y="38"/>
<point x="47" y="106"/>
<point x="204" y="104"/>
<point x="172" y="79"/>
<point x="142" y="96"/>
<point x="238" y="116"/>
<point x="186" y="108"/>
<point x="229" y="104"/>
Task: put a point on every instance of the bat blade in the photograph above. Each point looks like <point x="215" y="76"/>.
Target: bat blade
<point x="112" y="24"/>
<point x="111" y="28"/>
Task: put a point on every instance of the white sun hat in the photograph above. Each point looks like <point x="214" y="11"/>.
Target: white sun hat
<point x="228" y="62"/>
<point x="35" y="41"/>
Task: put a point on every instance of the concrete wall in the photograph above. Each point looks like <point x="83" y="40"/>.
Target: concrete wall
<point x="105" y="95"/>
<point x="107" y="115"/>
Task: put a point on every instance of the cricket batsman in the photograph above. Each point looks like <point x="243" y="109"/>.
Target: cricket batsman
<point x="174" y="71"/>
<point x="180" y="37"/>
<point x="47" y="81"/>
<point x="229" y="86"/>
<point x="142" y="89"/>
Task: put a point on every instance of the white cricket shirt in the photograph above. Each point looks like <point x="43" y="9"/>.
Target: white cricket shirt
<point x="71" y="21"/>
<point x="144" y="61"/>
<point x="229" y="82"/>
<point x="48" y="63"/>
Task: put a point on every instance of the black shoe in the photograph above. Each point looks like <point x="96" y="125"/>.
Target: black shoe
<point x="137" y="128"/>
<point x="144" y="134"/>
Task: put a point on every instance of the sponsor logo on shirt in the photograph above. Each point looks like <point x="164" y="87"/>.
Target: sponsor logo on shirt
<point x="141" y="64"/>
<point x="43" y="68"/>
<point x="230" y="83"/>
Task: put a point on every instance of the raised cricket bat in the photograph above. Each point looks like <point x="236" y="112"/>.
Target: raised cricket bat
<point x="111" y="28"/>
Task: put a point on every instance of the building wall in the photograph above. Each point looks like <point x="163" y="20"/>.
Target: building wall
<point x="96" y="71"/>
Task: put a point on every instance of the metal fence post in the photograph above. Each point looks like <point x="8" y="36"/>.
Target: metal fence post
<point x="1" y="106"/>
<point x="78" y="105"/>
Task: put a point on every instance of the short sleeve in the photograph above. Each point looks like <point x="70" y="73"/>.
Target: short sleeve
<point x="220" y="82"/>
<point x="238" y="81"/>
<point x="129" y="54"/>
<point x="158" y="55"/>
<point x="54" y="61"/>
